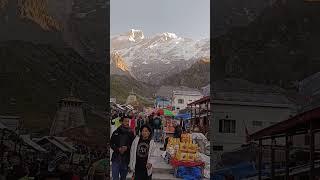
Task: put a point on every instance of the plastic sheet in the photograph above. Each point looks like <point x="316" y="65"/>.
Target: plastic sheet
<point x="189" y="173"/>
<point x="174" y="162"/>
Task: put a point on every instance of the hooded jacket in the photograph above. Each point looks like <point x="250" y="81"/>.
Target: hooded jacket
<point x="121" y="137"/>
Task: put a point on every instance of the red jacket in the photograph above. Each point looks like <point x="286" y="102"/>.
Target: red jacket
<point x="133" y="124"/>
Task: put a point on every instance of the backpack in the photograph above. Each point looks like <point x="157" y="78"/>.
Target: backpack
<point x="157" y="122"/>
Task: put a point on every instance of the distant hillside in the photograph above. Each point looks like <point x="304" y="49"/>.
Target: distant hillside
<point x="279" y="47"/>
<point x="121" y="86"/>
<point x="197" y="76"/>
<point x="35" y="77"/>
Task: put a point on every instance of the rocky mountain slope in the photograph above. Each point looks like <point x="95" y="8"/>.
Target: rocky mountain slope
<point x="151" y="59"/>
<point x="78" y="24"/>
<point x="197" y="76"/>
<point x="279" y="47"/>
<point x="234" y="13"/>
<point x="121" y="86"/>
<point x="37" y="76"/>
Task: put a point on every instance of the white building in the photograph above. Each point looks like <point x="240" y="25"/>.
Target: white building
<point x="239" y="105"/>
<point x="180" y="99"/>
<point x="206" y="90"/>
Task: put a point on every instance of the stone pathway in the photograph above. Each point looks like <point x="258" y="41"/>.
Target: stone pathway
<point x="161" y="170"/>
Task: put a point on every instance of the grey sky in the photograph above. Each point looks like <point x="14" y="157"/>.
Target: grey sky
<point x="187" y="18"/>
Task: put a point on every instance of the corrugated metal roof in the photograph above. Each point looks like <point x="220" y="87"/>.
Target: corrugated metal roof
<point x="251" y="97"/>
<point x="190" y="93"/>
<point x="27" y="140"/>
<point x="59" y="143"/>
<point x="245" y="91"/>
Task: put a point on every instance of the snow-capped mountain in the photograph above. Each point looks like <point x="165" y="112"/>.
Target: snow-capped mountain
<point x="151" y="59"/>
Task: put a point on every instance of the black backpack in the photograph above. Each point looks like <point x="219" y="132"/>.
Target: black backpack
<point x="157" y="122"/>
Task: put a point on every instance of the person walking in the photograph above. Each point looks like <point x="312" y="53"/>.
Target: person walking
<point x="177" y="134"/>
<point x="133" y="124"/>
<point x="157" y="127"/>
<point x="140" y="153"/>
<point x="120" y="143"/>
<point x="140" y="122"/>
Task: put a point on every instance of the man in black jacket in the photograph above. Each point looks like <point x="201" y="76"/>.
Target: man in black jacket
<point x="120" y="143"/>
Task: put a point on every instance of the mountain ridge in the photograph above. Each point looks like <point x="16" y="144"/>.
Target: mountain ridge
<point x="151" y="59"/>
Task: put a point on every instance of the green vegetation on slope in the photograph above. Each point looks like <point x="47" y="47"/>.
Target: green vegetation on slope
<point x="197" y="76"/>
<point x="121" y="86"/>
<point x="36" y="77"/>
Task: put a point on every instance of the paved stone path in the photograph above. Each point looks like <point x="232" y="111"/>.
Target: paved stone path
<point x="161" y="170"/>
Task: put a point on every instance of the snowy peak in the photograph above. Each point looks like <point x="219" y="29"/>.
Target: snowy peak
<point x="151" y="59"/>
<point x="168" y="36"/>
<point x="135" y="35"/>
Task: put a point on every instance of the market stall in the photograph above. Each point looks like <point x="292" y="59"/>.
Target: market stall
<point x="184" y="157"/>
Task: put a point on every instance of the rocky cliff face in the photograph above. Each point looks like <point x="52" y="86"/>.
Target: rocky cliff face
<point x="235" y="13"/>
<point x="279" y="47"/>
<point x="36" y="11"/>
<point x="75" y="23"/>
<point x="117" y="65"/>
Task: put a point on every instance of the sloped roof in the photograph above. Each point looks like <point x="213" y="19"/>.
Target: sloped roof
<point x="245" y="91"/>
<point x="2" y="126"/>
<point x="27" y="140"/>
<point x="314" y="77"/>
<point x="59" y="142"/>
<point x="72" y="99"/>
<point x="191" y="93"/>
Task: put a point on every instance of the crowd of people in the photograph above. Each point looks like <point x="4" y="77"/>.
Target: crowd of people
<point x="50" y="166"/>
<point x="133" y="141"/>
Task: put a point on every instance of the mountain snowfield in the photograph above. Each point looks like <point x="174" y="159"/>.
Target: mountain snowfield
<point x="151" y="59"/>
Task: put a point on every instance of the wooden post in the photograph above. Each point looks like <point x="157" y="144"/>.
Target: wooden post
<point x="208" y="121"/>
<point x="272" y="158"/>
<point x="260" y="159"/>
<point x="311" y="160"/>
<point x="287" y="156"/>
<point x="190" y="123"/>
<point x="2" y="149"/>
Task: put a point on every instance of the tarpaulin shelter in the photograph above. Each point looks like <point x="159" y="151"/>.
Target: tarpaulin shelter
<point x="239" y="171"/>
<point x="184" y="116"/>
<point x="165" y="112"/>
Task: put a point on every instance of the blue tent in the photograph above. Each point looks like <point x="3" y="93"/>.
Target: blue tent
<point x="183" y="116"/>
<point x="239" y="171"/>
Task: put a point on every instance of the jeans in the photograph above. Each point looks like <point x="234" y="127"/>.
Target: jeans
<point x="157" y="135"/>
<point x="121" y="169"/>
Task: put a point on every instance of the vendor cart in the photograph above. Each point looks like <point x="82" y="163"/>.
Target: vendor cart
<point x="176" y="164"/>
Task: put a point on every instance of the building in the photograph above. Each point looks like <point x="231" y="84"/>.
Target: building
<point x="241" y="108"/>
<point x="200" y="115"/>
<point x="309" y="89"/>
<point x="69" y="115"/>
<point x="161" y="103"/>
<point x="132" y="98"/>
<point x="181" y="99"/>
<point x="12" y="122"/>
<point x="114" y="100"/>
<point x="296" y="162"/>
<point x="206" y="90"/>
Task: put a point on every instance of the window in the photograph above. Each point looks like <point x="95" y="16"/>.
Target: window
<point x="257" y="123"/>
<point x="180" y="101"/>
<point x="227" y="126"/>
<point x="306" y="140"/>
